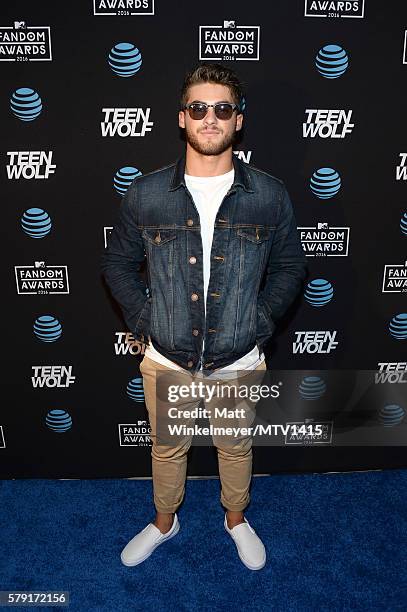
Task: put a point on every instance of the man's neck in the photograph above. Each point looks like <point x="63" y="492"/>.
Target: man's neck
<point x="197" y="164"/>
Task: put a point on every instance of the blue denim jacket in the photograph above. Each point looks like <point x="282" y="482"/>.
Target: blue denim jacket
<point x="257" y="265"/>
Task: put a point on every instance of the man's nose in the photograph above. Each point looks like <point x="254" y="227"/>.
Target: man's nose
<point x="210" y="116"/>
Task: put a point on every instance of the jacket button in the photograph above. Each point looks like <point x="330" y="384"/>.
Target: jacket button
<point x="190" y="364"/>
<point x="190" y="222"/>
<point x="195" y="332"/>
<point x="194" y="297"/>
<point x="192" y="260"/>
<point x="207" y="365"/>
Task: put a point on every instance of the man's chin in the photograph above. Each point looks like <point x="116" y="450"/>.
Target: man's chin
<point x="209" y="149"/>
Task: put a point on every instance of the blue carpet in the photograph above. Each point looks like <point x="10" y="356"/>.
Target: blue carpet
<point x="333" y="541"/>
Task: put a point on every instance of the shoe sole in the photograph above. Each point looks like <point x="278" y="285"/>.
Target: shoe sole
<point x="176" y="530"/>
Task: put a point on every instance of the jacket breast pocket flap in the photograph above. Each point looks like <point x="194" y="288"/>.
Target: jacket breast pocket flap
<point x="157" y="236"/>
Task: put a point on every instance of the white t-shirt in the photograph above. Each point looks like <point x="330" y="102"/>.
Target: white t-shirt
<point x="208" y="193"/>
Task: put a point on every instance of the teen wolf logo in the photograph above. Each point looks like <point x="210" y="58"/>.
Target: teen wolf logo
<point x="21" y="42"/>
<point x="334" y="8"/>
<point x="229" y="42"/>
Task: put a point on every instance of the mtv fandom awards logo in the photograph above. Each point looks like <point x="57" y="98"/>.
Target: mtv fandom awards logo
<point x="229" y="42"/>
<point x="123" y="179"/>
<point x="36" y="223"/>
<point x="325" y="183"/>
<point x="30" y="165"/>
<point x="21" y="43"/>
<point x="2" y="440"/>
<point x="325" y="241"/>
<point x="327" y="123"/>
<point x="125" y="59"/>
<point x="401" y="170"/>
<point x="315" y="342"/>
<point x="52" y="376"/>
<point x="331" y="61"/>
<point x="26" y="104"/>
<point x="126" y="344"/>
<point x="395" y="278"/>
<point x="135" y="434"/>
<point x="297" y="432"/>
<point x="41" y="279"/>
<point x="107" y="230"/>
<point x="126" y="122"/>
<point x="391" y="372"/>
<point x="47" y="328"/>
<point x="334" y="8"/>
<point x="123" y="7"/>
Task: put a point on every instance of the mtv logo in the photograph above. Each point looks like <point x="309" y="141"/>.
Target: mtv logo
<point x="18" y="25"/>
<point x="39" y="264"/>
<point x="323" y="226"/>
<point x="229" y="24"/>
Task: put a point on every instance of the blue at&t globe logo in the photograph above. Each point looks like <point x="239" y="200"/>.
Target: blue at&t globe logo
<point x="331" y="61"/>
<point x="36" y="222"/>
<point x="135" y="390"/>
<point x="125" y="59"/>
<point x="319" y="292"/>
<point x="398" y="326"/>
<point x="312" y="388"/>
<point x="124" y="177"/>
<point x="47" y="328"/>
<point x="403" y="224"/>
<point x="391" y="415"/>
<point x="58" y="420"/>
<point x="325" y="183"/>
<point x="25" y="104"/>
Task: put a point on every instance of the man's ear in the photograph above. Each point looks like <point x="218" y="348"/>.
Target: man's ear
<point x="239" y="121"/>
<point x="181" y="119"/>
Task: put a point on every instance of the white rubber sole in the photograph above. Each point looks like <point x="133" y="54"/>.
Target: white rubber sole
<point x="252" y="567"/>
<point x="132" y="564"/>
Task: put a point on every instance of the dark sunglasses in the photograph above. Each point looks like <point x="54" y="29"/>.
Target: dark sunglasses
<point x="223" y="110"/>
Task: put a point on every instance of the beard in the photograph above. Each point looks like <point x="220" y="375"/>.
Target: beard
<point x="209" y="147"/>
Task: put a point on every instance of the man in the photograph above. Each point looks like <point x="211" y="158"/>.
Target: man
<point x="224" y="262"/>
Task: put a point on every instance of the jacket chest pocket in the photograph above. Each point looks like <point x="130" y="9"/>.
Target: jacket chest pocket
<point x="158" y="237"/>
<point x="254" y="234"/>
<point x="254" y="244"/>
<point x="160" y="245"/>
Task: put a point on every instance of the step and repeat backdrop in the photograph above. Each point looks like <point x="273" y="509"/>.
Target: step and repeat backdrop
<point x="89" y="101"/>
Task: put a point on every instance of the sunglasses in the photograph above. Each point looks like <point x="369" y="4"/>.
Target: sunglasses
<point x="223" y="110"/>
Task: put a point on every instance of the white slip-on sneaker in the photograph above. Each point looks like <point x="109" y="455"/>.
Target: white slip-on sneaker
<point x="249" y="546"/>
<point x="145" y="542"/>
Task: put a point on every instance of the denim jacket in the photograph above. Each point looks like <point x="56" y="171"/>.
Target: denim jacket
<point x="257" y="265"/>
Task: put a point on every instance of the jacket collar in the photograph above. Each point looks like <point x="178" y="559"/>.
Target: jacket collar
<point x="242" y="177"/>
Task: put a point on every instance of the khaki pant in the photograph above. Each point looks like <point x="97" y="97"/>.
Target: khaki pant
<point x="169" y="461"/>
